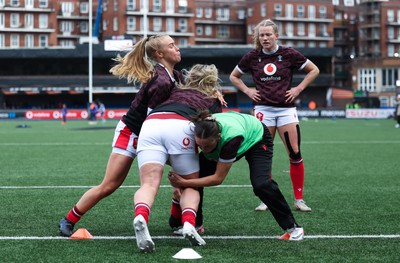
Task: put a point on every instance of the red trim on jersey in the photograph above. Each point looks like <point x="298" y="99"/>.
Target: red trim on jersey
<point x="163" y="116"/>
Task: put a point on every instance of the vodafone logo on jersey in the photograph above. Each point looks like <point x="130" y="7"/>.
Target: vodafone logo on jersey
<point x="270" y="69"/>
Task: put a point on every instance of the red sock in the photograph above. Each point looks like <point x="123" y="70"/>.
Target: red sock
<point x="74" y="215"/>
<point x="297" y="176"/>
<point x="142" y="209"/>
<point x="189" y="215"/>
<point x="176" y="210"/>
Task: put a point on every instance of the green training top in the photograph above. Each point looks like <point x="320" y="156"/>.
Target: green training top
<point x="233" y="124"/>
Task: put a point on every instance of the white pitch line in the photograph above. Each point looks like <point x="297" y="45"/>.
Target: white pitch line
<point x="205" y="237"/>
<point x="108" y="143"/>
<point x="123" y="186"/>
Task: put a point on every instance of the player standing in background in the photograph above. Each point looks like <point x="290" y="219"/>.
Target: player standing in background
<point x="272" y="67"/>
<point x="151" y="62"/>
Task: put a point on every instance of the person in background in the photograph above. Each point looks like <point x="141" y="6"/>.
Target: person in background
<point x="150" y="62"/>
<point x="227" y="137"/>
<point x="167" y="135"/>
<point x="64" y="112"/>
<point x="397" y="112"/>
<point x="272" y="67"/>
<point x="102" y="109"/>
<point x="93" y="109"/>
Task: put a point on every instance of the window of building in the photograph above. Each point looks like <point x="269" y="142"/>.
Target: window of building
<point x="335" y="2"/>
<point x="241" y="14"/>
<point x="170" y="24"/>
<point x="323" y="28"/>
<point x="223" y="31"/>
<point x="157" y="24"/>
<point x="66" y="43"/>
<point x="208" y="12"/>
<point x="390" y="15"/>
<point x="14" y="2"/>
<point x="398" y="16"/>
<point x="263" y="10"/>
<point x="389" y="78"/>
<point x="28" y="3"/>
<point x="278" y="10"/>
<point x="301" y="29"/>
<point x="199" y="12"/>
<point x="67" y="8"/>
<point x="84" y="27"/>
<point x="349" y="2"/>
<point x="66" y="27"/>
<point x="115" y="24"/>
<point x="131" y="23"/>
<point x="43" y="3"/>
<point x="311" y="30"/>
<point x="289" y="10"/>
<point x="28" y="21"/>
<point x="29" y="41"/>
<point x="289" y="29"/>
<point x="390" y="32"/>
<point x="84" y="8"/>
<point x="323" y="44"/>
<point x="115" y="5"/>
<point x="300" y="11"/>
<point x="250" y="12"/>
<point x="157" y="5"/>
<point x="367" y="79"/>
<point x="301" y="44"/>
<point x="199" y="30"/>
<point x="183" y="42"/>
<point x="14" y="20"/>
<point x="105" y="25"/>
<point x="43" y="41"/>
<point x="208" y="30"/>
<point x="182" y="25"/>
<point x="312" y="44"/>
<point x="2" y="3"/>
<point x="322" y="12"/>
<point x="131" y="5"/>
<point x="2" y="40"/>
<point x="182" y="6"/>
<point x="170" y="6"/>
<point x="223" y="14"/>
<point x="43" y="21"/>
<point x="14" y="41"/>
<point x="384" y="101"/>
<point x="311" y="11"/>
<point x="2" y="20"/>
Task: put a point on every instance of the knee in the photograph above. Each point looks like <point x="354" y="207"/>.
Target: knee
<point x="262" y="186"/>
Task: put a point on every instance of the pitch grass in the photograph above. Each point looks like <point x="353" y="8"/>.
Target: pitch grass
<point x="352" y="185"/>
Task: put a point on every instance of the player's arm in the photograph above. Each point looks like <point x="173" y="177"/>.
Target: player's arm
<point x="236" y="80"/>
<point x="215" y="179"/>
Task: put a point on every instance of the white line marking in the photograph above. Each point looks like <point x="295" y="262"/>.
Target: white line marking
<point x="108" y="143"/>
<point x="205" y="237"/>
<point x="86" y="186"/>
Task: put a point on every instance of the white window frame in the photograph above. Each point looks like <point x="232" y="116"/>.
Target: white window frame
<point x="157" y="24"/>
<point x="157" y="5"/>
<point x="289" y="11"/>
<point x="43" y="3"/>
<point x="223" y="14"/>
<point x="300" y="11"/>
<point x="322" y="11"/>
<point x="311" y="11"/>
<point x="170" y="6"/>
<point x="208" y="12"/>
<point x="14" y="20"/>
<point x="43" y="21"/>
<point x="390" y="15"/>
<point x="183" y="24"/>
<point x="311" y="30"/>
<point x="29" y="4"/>
<point x="14" y="41"/>
<point x="14" y="3"/>
<point x="170" y="25"/>
<point x="130" y="5"/>
<point x="29" y="41"/>
<point x="278" y="10"/>
<point x="28" y="20"/>
<point x="2" y="3"/>
<point x="208" y="30"/>
<point x="115" y="24"/>
<point x="199" y="30"/>
<point x="2" y="20"/>
<point x="131" y="23"/>
<point x="84" y="27"/>
<point x="263" y="10"/>
<point x="2" y="41"/>
<point x="199" y="12"/>
<point x="84" y="8"/>
<point x="222" y="31"/>
<point x="301" y="29"/>
<point x="43" y="41"/>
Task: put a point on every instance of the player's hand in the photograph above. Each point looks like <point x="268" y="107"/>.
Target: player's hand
<point x="175" y="180"/>
<point x="292" y="94"/>
<point x="253" y="94"/>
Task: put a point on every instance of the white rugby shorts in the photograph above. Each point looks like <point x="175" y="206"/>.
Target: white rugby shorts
<point x="275" y="116"/>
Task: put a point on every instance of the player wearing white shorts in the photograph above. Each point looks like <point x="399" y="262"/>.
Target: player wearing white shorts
<point x="167" y="134"/>
<point x="272" y="67"/>
<point x="156" y="88"/>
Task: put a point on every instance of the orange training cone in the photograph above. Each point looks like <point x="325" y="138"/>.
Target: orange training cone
<point x="81" y="233"/>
